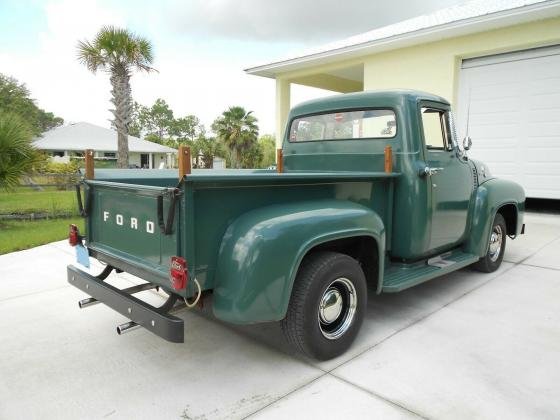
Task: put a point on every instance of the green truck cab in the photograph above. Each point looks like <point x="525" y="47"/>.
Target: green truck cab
<point x="305" y="246"/>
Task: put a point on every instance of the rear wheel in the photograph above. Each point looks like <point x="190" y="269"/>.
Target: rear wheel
<point x="327" y="305"/>
<point x="496" y="247"/>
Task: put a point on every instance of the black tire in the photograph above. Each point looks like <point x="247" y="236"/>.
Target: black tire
<point x="493" y="259"/>
<point x="322" y="275"/>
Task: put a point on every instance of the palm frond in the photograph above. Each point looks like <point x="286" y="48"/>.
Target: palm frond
<point x="17" y="154"/>
<point x="116" y="48"/>
<point x="90" y="56"/>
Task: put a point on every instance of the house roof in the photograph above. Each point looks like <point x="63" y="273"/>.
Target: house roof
<point x="463" y="19"/>
<point x="82" y="135"/>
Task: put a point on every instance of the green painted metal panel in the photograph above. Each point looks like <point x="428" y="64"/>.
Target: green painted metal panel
<point x="490" y="197"/>
<point x="262" y="249"/>
<point x="216" y="206"/>
<point x="413" y="197"/>
<point x="123" y="223"/>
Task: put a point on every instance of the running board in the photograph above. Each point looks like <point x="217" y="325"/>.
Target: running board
<point x="402" y="276"/>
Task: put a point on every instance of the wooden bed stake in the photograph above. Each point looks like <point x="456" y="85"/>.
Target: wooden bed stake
<point x="279" y="161"/>
<point x="184" y="161"/>
<point x="88" y="156"/>
<point x="388" y="159"/>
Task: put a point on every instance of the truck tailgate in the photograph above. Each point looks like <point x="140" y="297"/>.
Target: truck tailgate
<point x="125" y="221"/>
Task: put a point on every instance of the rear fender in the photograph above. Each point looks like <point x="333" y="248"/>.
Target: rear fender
<point x="261" y="252"/>
<point x="490" y="197"/>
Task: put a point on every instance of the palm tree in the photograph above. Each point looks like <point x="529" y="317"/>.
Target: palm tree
<point x="17" y="154"/>
<point x="237" y="129"/>
<point x="118" y="52"/>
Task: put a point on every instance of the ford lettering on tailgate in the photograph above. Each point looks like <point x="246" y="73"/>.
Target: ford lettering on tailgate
<point x="126" y="220"/>
<point x="132" y="222"/>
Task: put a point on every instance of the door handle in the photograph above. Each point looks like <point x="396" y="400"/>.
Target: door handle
<point x="430" y="171"/>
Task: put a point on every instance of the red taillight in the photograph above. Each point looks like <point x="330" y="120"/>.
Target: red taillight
<point x="178" y="273"/>
<point x="73" y="235"/>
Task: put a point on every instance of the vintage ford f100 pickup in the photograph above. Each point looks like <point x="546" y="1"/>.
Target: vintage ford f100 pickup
<point x="374" y="192"/>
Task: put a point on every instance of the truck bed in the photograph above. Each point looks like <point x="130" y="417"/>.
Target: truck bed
<point x="123" y="225"/>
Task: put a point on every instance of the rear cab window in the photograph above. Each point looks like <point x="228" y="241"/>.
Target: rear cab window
<point x="345" y="125"/>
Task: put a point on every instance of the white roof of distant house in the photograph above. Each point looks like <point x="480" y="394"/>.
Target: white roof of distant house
<point x="82" y="135"/>
<point x="474" y="16"/>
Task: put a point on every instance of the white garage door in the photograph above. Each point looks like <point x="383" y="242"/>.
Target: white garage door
<point x="513" y="107"/>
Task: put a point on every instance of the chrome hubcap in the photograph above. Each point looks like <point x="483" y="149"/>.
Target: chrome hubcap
<point x="331" y="305"/>
<point x="337" y="308"/>
<point x="496" y="239"/>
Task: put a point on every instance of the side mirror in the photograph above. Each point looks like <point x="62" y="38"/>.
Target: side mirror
<point x="467" y="143"/>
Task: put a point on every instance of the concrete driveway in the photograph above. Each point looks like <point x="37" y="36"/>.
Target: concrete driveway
<point x="468" y="345"/>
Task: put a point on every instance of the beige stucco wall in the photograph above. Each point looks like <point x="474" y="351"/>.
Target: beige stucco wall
<point x="432" y="67"/>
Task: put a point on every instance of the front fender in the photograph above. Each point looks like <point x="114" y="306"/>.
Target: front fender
<point x="490" y="196"/>
<point x="262" y="249"/>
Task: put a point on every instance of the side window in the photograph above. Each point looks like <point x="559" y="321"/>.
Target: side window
<point x="436" y="128"/>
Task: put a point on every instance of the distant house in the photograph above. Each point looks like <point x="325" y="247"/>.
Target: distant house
<point x="69" y="142"/>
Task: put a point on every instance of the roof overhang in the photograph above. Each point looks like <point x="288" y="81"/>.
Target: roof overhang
<point x="453" y="29"/>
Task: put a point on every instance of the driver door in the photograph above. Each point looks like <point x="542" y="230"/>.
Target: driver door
<point x="450" y="179"/>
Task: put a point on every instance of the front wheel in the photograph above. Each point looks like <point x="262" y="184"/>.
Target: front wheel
<point x="496" y="247"/>
<point x="327" y="305"/>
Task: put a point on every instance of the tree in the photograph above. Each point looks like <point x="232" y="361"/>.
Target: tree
<point x="237" y="129"/>
<point x="187" y="128"/>
<point x="208" y="148"/>
<point x="118" y="52"/>
<point x="252" y="156"/>
<point x="267" y="144"/>
<point x="17" y="155"/>
<point x="158" y="121"/>
<point x="136" y="125"/>
<point x="15" y="98"/>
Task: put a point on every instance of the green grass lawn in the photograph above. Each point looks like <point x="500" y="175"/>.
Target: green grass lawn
<point x="17" y="234"/>
<point x="22" y="234"/>
<point x="51" y="201"/>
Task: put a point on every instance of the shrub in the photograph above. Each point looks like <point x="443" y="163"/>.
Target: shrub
<point x="61" y="168"/>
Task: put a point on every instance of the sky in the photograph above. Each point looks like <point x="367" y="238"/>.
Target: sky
<point x="201" y="48"/>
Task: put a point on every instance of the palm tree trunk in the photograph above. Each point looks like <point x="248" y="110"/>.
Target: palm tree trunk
<point x="122" y="101"/>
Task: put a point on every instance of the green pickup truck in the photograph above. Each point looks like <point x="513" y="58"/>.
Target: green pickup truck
<point x="375" y="194"/>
